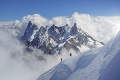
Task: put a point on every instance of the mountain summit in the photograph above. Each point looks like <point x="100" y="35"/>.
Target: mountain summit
<point x="51" y="39"/>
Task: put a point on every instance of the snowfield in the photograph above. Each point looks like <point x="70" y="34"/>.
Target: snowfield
<point x="98" y="64"/>
<point x="17" y="64"/>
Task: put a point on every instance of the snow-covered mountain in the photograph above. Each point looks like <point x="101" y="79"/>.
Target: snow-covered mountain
<point x="98" y="64"/>
<point x="17" y="64"/>
<point x="51" y="39"/>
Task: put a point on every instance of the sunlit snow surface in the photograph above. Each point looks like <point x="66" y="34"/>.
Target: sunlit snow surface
<point x="27" y="67"/>
<point x="99" y="64"/>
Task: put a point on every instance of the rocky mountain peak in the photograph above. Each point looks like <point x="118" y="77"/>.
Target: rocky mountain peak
<point x="54" y="38"/>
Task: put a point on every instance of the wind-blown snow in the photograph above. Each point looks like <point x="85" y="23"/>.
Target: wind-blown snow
<point x="99" y="64"/>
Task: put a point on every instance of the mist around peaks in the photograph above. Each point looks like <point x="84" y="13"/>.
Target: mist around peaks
<point x="17" y="64"/>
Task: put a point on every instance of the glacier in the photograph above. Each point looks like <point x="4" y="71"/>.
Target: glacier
<point x="98" y="64"/>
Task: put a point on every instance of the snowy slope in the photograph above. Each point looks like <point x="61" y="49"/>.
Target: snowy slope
<point x="99" y="64"/>
<point x="52" y="39"/>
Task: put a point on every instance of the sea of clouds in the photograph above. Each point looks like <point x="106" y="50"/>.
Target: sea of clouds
<point x="17" y="64"/>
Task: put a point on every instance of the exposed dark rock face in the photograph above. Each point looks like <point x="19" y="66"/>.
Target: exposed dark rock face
<point x="53" y="39"/>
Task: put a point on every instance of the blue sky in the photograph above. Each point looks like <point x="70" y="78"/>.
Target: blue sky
<point x="11" y="10"/>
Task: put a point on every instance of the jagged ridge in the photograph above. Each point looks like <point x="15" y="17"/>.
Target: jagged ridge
<point x="52" y="39"/>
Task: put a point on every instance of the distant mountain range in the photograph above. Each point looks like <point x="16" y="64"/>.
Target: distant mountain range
<point x="51" y="39"/>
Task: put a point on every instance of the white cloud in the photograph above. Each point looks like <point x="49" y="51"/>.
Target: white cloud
<point x="99" y="27"/>
<point x="5" y="23"/>
<point x="15" y="64"/>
